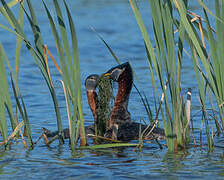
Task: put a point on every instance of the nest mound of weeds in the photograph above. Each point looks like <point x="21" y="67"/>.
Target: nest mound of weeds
<point x="105" y="101"/>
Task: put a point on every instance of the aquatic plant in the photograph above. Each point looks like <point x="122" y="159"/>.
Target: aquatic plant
<point x="5" y="101"/>
<point x="6" y="105"/>
<point x="69" y="70"/>
<point x="36" y="51"/>
<point x="207" y="58"/>
<point x="165" y="63"/>
<point x="69" y="61"/>
<point x="164" y="60"/>
<point x="105" y="97"/>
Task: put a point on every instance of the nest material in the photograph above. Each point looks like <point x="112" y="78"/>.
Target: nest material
<point x="104" y="108"/>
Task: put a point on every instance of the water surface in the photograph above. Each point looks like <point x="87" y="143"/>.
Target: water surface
<point x="115" y="21"/>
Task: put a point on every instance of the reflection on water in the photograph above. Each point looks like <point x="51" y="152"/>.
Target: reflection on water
<point x="115" y="22"/>
<point x="44" y="162"/>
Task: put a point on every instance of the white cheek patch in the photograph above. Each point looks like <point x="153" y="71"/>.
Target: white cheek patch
<point x="91" y="84"/>
<point x="117" y="73"/>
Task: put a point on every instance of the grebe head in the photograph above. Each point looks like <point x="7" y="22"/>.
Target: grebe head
<point x="116" y="72"/>
<point x="91" y="82"/>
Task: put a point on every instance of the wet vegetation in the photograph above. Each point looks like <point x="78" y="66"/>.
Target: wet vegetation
<point x="105" y="102"/>
<point x="173" y="33"/>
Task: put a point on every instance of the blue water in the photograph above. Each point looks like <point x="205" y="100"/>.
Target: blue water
<point x="115" y="21"/>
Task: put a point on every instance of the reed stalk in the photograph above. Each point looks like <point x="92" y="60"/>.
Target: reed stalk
<point x="69" y="61"/>
<point x="5" y="88"/>
<point x="208" y="61"/>
<point x="23" y="112"/>
<point x="36" y="52"/>
<point x="164" y="60"/>
<point x="4" y="92"/>
<point x="165" y="63"/>
<point x="68" y="67"/>
<point x="18" y="45"/>
<point x="6" y="101"/>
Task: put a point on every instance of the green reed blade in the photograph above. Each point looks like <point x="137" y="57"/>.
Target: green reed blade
<point x="108" y="47"/>
<point x="28" y="45"/>
<point x="165" y="52"/>
<point x="19" y="32"/>
<point x="12" y="3"/>
<point x="27" y="123"/>
<point x="202" y="91"/>
<point x="36" y="32"/>
<point x="165" y="64"/>
<point x="38" y="57"/>
<point x="144" y="34"/>
<point x="68" y="72"/>
<point x="209" y="11"/>
<point x="76" y="65"/>
<point x="2" y="10"/>
<point x="9" y="30"/>
<point x="18" y="44"/>
<point x="22" y="110"/>
<point x="216" y="61"/>
<point x="3" y="92"/>
<point x="196" y="24"/>
<point x="213" y="68"/>
<point x="39" y="54"/>
<point x="4" y="13"/>
<point x="61" y="57"/>
<point x="154" y="86"/>
<point x="217" y="47"/>
<point x="11" y="18"/>
<point x="158" y="33"/>
<point x="149" y="49"/>
<point x="220" y="48"/>
<point x="204" y="59"/>
<point x="192" y="34"/>
<point x="5" y="89"/>
<point x="64" y="38"/>
<point x="65" y="60"/>
<point x="70" y="118"/>
<point x="42" y="65"/>
<point x="114" y="145"/>
<point x="174" y="69"/>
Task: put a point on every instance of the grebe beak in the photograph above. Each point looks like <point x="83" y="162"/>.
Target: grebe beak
<point x="106" y="75"/>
